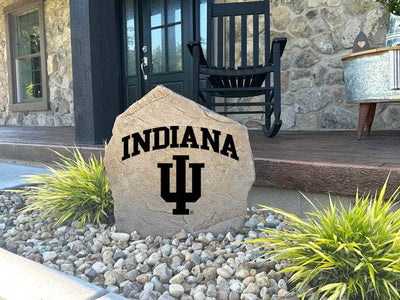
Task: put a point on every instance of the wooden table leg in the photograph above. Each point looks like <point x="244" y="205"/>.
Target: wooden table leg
<point x="365" y="118"/>
<point x="370" y="117"/>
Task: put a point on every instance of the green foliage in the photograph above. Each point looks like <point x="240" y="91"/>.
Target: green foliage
<point x="392" y="6"/>
<point x="339" y="253"/>
<point x="75" y="190"/>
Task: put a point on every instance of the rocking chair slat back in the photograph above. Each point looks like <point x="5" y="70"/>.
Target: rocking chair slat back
<point x="231" y="42"/>
<point x="222" y="15"/>
<point x="239" y="60"/>
<point x="244" y="40"/>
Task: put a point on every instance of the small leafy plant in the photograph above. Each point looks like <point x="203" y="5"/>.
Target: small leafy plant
<point x="392" y="6"/>
<point x="75" y="190"/>
<point x="339" y="253"/>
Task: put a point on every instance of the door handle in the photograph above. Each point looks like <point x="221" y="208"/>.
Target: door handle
<point x="143" y="65"/>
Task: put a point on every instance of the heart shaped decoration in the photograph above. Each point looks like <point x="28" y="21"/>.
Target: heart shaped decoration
<point x="361" y="44"/>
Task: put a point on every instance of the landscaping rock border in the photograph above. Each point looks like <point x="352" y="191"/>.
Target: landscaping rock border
<point x="204" y="266"/>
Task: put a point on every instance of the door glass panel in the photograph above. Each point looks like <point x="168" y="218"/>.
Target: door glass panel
<point x="166" y="36"/>
<point x="158" y="50"/>
<point x="130" y="38"/>
<point x="157" y="13"/>
<point x="174" y="11"/>
<point x="174" y="48"/>
<point x="203" y="25"/>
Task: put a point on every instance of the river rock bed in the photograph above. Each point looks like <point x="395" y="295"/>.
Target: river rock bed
<point x="198" y="267"/>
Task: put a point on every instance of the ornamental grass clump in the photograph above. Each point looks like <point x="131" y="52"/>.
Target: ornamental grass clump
<point x="339" y="253"/>
<point x="76" y="190"/>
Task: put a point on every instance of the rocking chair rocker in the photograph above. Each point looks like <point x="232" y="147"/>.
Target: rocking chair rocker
<point x="224" y="77"/>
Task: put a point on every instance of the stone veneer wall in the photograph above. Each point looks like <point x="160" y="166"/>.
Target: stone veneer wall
<point x="319" y="33"/>
<point x="59" y="69"/>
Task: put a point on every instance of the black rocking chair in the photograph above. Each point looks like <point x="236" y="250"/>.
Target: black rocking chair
<point x="227" y="24"/>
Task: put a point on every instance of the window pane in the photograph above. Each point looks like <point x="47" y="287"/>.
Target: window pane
<point x="157" y="13"/>
<point x="158" y="50"/>
<point x="27" y="39"/>
<point x="203" y="25"/>
<point x="130" y="38"/>
<point x="175" y="48"/>
<point x="29" y="78"/>
<point x="174" y="11"/>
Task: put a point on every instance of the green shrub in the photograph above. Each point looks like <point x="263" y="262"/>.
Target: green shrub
<point x="392" y="6"/>
<point x="75" y="190"/>
<point x="353" y="254"/>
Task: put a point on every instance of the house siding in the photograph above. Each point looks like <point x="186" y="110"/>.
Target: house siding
<point x="59" y="70"/>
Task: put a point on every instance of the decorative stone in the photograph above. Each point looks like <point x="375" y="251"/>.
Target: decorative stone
<point x="132" y="275"/>
<point x="142" y="278"/>
<point x="353" y="27"/>
<point x="313" y="104"/>
<point x="151" y="138"/>
<point x="304" y="58"/>
<point x="299" y="27"/>
<point x="90" y="273"/>
<point x="210" y="274"/>
<point x="295" y="5"/>
<point x="119" y="254"/>
<point x="154" y="258"/>
<point x="166" y="250"/>
<point x="163" y="273"/>
<point x="306" y="121"/>
<point x="282" y="284"/>
<point x="166" y="297"/>
<point x="225" y="272"/>
<point x="176" y="290"/>
<point x="195" y="258"/>
<point x="252" y="288"/>
<point x="237" y="287"/>
<point x="328" y="119"/>
<point x="199" y="296"/>
<point x="242" y="271"/>
<point x="197" y="246"/>
<point x="110" y="278"/>
<point x="324" y="43"/>
<point x="49" y="255"/>
<point x="181" y="234"/>
<point x="119" y="263"/>
<point x="179" y="278"/>
<point x="281" y="18"/>
<point x="120" y="237"/>
<point x="99" y="267"/>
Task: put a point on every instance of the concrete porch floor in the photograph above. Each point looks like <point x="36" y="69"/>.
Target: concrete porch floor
<point x="316" y="163"/>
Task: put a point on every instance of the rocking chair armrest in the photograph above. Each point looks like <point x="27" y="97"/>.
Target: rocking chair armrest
<point x="201" y="58"/>
<point x="277" y="42"/>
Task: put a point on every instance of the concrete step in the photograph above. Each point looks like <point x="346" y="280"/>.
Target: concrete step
<point x="41" y="154"/>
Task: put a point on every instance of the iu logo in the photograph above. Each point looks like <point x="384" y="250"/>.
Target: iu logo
<point x="180" y="197"/>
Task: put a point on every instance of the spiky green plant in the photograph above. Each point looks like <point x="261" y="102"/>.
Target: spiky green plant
<point x="339" y="253"/>
<point x="75" y="190"/>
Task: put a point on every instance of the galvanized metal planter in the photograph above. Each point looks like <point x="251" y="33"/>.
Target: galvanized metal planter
<point x="393" y="32"/>
<point x="372" y="75"/>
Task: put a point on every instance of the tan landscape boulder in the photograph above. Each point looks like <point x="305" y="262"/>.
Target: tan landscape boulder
<point x="174" y="164"/>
